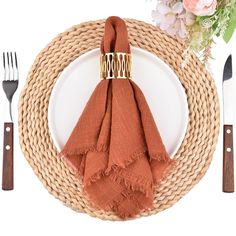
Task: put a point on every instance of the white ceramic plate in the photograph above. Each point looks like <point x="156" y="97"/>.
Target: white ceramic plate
<point x="160" y="85"/>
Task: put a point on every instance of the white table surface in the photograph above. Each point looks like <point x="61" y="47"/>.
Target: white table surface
<point x="26" y="27"/>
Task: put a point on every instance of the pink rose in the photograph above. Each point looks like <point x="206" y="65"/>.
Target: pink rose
<point x="200" y="7"/>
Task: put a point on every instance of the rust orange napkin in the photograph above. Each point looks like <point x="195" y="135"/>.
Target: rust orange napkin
<point x="115" y="146"/>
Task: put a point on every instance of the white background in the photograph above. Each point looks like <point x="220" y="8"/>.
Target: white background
<point x="26" y="26"/>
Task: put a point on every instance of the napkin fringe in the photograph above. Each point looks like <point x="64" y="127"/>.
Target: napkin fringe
<point x="104" y="148"/>
<point x="137" y="183"/>
<point x="140" y="183"/>
<point x="128" y="161"/>
<point x="94" y="178"/>
<point x="84" y="150"/>
<point x="160" y="157"/>
<point x="116" y="206"/>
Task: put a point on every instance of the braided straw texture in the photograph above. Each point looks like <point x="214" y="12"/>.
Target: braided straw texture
<point x="193" y="157"/>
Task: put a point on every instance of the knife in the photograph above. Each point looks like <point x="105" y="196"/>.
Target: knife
<point x="228" y="154"/>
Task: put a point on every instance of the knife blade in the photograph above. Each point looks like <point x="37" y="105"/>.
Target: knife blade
<point x="228" y="107"/>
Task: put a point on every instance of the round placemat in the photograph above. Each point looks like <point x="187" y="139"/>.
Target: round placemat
<point x="193" y="157"/>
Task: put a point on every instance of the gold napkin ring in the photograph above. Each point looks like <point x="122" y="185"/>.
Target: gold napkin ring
<point x="115" y="65"/>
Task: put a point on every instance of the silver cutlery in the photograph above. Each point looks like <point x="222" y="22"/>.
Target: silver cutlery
<point x="228" y="153"/>
<point x="10" y="85"/>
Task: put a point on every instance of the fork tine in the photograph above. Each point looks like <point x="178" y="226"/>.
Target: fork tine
<point x="12" y="74"/>
<point x="16" y="67"/>
<point x="11" y="59"/>
<point x="4" y="65"/>
<point x="8" y="70"/>
<point x="16" y="63"/>
<point x="4" y="60"/>
<point x="8" y="60"/>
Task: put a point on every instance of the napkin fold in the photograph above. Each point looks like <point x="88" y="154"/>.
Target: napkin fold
<point x="115" y="146"/>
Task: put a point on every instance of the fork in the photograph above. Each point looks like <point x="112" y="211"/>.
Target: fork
<point x="10" y="85"/>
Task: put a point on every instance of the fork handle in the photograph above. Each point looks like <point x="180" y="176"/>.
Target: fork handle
<point x="7" y="173"/>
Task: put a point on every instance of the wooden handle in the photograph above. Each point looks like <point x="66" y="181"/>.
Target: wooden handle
<point x="228" y="160"/>
<point x="7" y="173"/>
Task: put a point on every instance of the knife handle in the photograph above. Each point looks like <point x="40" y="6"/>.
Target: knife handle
<point x="228" y="160"/>
<point x="7" y="168"/>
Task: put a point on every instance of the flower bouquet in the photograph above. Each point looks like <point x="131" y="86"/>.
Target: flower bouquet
<point x="197" y="22"/>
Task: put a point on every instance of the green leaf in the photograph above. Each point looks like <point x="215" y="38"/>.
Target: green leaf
<point x="228" y="33"/>
<point x="231" y="26"/>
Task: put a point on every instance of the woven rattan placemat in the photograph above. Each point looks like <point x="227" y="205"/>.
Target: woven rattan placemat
<point x="193" y="157"/>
